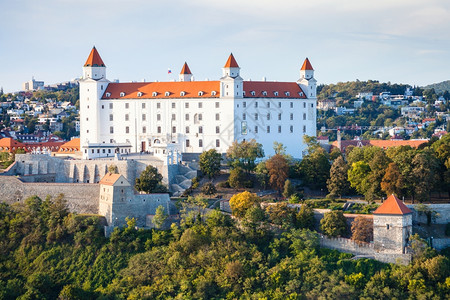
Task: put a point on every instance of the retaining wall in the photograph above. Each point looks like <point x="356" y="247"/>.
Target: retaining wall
<point x="442" y="209"/>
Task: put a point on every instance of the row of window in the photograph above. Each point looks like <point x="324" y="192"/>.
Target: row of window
<point x="275" y="93"/>
<point x="291" y="104"/>
<point x="291" y="129"/>
<point x="166" y="94"/>
<point x="158" y="105"/>
<point x="200" y="143"/>
<point x="159" y="129"/>
<point x="197" y="117"/>
<point x="268" y="116"/>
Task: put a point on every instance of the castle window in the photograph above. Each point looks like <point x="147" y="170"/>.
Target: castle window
<point x="143" y="105"/>
<point x="200" y="143"/>
<point x="127" y="117"/>
<point x="287" y="94"/>
<point x="213" y="93"/>
<point x="244" y="116"/>
<point x="167" y="94"/>
<point x="127" y="129"/>
<point x="187" y="129"/>
<point x="103" y="106"/>
<point x="174" y="129"/>
<point x="174" y="105"/>
<point x="127" y="105"/>
<point x="187" y="143"/>
<point x="186" y="117"/>
<point x="139" y="94"/>
<point x="217" y="143"/>
<point x="111" y="117"/>
<point x="268" y="117"/>
<point x="111" y="129"/>
<point x="244" y="104"/>
<point x="243" y="93"/>
<point x="217" y="117"/>
<point x="253" y="93"/>
<point x="200" y="105"/>
<point x="279" y="104"/>
<point x="256" y="129"/>
<point x="154" y="94"/>
<point x="122" y="94"/>
<point x="217" y="104"/>
<point x="268" y="104"/>
<point x="173" y="117"/>
<point x="108" y="94"/>
<point x="159" y="129"/>
<point x="304" y="104"/>
<point x="186" y="105"/>
<point x="200" y="129"/>
<point x="387" y="226"/>
<point x="291" y="116"/>
<point x="256" y="117"/>
<point x="304" y="128"/>
<point x="279" y="128"/>
<point x="200" y="93"/>
<point x="312" y="105"/>
<point x="158" y="105"/>
<point x="256" y="104"/>
<point x="279" y="117"/>
<point x="182" y="94"/>
<point x="103" y="151"/>
<point x="217" y="129"/>
<point x="268" y="129"/>
<point x="158" y="117"/>
<point x="264" y="93"/>
<point x="292" y="104"/>
<point x="304" y="116"/>
<point x="291" y="129"/>
<point x="275" y="94"/>
<point x="144" y="129"/>
<point x="200" y="117"/>
<point x="300" y="94"/>
<point x="144" y="117"/>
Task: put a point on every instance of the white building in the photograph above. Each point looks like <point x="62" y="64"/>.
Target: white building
<point x="194" y="115"/>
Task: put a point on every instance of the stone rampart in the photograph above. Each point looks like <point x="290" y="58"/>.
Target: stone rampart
<point x="440" y="244"/>
<point x="442" y="209"/>
<point x="81" y="198"/>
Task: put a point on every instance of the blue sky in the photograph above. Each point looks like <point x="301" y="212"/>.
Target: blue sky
<point x="397" y="40"/>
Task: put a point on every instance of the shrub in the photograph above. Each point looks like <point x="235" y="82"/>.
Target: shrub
<point x="209" y="188"/>
<point x="195" y="182"/>
<point x="223" y="184"/>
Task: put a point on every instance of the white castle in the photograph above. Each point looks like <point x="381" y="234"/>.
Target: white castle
<point x="188" y="116"/>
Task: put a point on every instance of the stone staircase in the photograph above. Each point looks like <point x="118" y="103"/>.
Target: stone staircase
<point x="183" y="180"/>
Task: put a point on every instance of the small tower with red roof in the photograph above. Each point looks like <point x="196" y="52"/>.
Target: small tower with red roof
<point x="231" y="82"/>
<point x="307" y="81"/>
<point x="94" y="67"/>
<point x="185" y="74"/>
<point x="392" y="226"/>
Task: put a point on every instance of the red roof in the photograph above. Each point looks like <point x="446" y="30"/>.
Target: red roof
<point x="284" y="89"/>
<point x="10" y="144"/>
<point x="109" y="179"/>
<point x="199" y="89"/>
<point x="231" y="62"/>
<point x="94" y="59"/>
<point x="185" y="69"/>
<point x="392" y="206"/>
<point x="379" y="143"/>
<point x="71" y="146"/>
<point x="307" y="65"/>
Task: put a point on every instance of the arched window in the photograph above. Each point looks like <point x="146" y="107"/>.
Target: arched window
<point x="122" y="94"/>
<point x="108" y="94"/>
<point x="200" y="93"/>
<point x="139" y="94"/>
<point x="154" y="94"/>
<point x="213" y="93"/>
<point x="167" y="94"/>
<point x="182" y="94"/>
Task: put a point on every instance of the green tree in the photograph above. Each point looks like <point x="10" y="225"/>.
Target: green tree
<point x="358" y="175"/>
<point x="362" y="229"/>
<point x="209" y="189"/>
<point x="112" y="169"/>
<point x="237" y="178"/>
<point x="305" y="217"/>
<point x="333" y="223"/>
<point x="244" y="154"/>
<point x="210" y="163"/>
<point x="262" y="174"/>
<point x="315" y="168"/>
<point x="424" y="172"/>
<point x="288" y="190"/>
<point x="150" y="181"/>
<point x="393" y="181"/>
<point x="160" y="217"/>
<point x="338" y="184"/>
<point x="282" y="215"/>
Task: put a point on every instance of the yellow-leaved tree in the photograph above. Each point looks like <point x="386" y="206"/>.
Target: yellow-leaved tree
<point x="241" y="202"/>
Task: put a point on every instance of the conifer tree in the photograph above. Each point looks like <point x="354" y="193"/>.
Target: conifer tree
<point x="338" y="184"/>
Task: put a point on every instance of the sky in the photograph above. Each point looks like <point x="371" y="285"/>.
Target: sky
<point x="401" y="41"/>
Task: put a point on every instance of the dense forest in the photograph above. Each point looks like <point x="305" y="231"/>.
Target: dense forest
<point x="440" y="87"/>
<point x="48" y="253"/>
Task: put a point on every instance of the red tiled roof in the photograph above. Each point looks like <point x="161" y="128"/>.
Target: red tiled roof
<point x="94" y="59"/>
<point x="71" y="146"/>
<point x="231" y="62"/>
<point x="392" y="206"/>
<point x="307" y="65"/>
<point x="190" y="88"/>
<point x="109" y="179"/>
<point x="185" y="69"/>
<point x="270" y="87"/>
<point x="9" y="145"/>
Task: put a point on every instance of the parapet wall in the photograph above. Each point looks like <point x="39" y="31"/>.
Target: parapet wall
<point x="81" y="197"/>
<point x="442" y="209"/>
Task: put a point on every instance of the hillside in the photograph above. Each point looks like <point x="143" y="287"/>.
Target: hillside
<point x="440" y="87"/>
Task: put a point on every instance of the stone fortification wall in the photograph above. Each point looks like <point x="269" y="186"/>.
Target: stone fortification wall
<point x="363" y="249"/>
<point x="442" y="209"/>
<point x="440" y="244"/>
<point x="81" y="198"/>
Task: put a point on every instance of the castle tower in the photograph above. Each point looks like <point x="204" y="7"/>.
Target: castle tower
<point x="231" y="82"/>
<point x="92" y="87"/>
<point x="307" y="81"/>
<point x="392" y="226"/>
<point x="115" y="194"/>
<point x="185" y="74"/>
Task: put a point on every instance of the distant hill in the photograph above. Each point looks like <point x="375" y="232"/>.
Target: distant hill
<point x="440" y="87"/>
